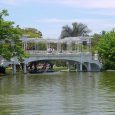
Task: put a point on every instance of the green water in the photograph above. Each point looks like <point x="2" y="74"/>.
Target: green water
<point x="60" y="93"/>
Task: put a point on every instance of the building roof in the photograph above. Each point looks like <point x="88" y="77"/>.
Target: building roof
<point x="65" y="40"/>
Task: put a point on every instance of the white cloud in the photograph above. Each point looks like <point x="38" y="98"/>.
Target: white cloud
<point x="56" y="20"/>
<point x="8" y="2"/>
<point x="71" y="3"/>
<point x="23" y="2"/>
<point x="90" y="3"/>
<point x="61" y="21"/>
<point x="107" y="13"/>
<point x="96" y="25"/>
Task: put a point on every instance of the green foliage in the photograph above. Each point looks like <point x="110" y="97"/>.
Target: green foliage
<point x="78" y="29"/>
<point x="3" y="13"/>
<point x="10" y="44"/>
<point x="32" y="33"/>
<point x="95" y="39"/>
<point x="42" y="46"/>
<point x="106" y="49"/>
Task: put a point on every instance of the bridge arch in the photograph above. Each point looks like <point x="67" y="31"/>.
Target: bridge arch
<point x="80" y="62"/>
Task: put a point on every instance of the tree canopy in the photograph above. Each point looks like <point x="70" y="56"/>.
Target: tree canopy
<point x="106" y="49"/>
<point x="10" y="44"/>
<point x="32" y="32"/>
<point x="78" y="29"/>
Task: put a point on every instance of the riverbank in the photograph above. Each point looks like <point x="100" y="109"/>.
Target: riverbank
<point x="110" y="70"/>
<point x="55" y="68"/>
<point x="61" y="68"/>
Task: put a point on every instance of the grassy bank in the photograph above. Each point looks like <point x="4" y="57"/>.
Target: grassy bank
<point x="60" y="68"/>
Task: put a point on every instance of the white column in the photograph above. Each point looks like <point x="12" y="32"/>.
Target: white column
<point x="89" y="66"/>
<point x="96" y="55"/>
<point x="69" y="66"/>
<point x="47" y="46"/>
<point x="81" y="69"/>
<point x="88" y="47"/>
<point x="35" y="46"/>
<point x="81" y="56"/>
<point x="24" y="46"/>
<point x="82" y="47"/>
<point x="58" y="46"/>
<point x="69" y="47"/>
<point x="77" y="47"/>
<point x="77" y="67"/>
<point x="25" y="68"/>
<point x="14" y="68"/>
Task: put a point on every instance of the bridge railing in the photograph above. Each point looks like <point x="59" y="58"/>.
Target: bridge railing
<point x="73" y="53"/>
<point x="63" y="53"/>
<point x="55" y="52"/>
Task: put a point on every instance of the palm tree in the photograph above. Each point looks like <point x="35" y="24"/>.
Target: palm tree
<point x="78" y="29"/>
<point x="66" y="32"/>
<point x="3" y="13"/>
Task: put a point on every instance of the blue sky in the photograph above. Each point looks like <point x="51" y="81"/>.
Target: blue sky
<point x="49" y="16"/>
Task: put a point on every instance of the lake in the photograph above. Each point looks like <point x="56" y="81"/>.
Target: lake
<point x="58" y="93"/>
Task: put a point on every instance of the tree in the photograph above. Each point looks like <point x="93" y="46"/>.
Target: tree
<point x="3" y="13"/>
<point x="66" y="32"/>
<point x="10" y="43"/>
<point x="96" y="38"/>
<point x="106" y="49"/>
<point x="78" y="29"/>
<point x="32" y="32"/>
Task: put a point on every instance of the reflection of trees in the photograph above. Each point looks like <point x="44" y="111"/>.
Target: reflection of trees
<point x="5" y="110"/>
<point x="8" y="105"/>
<point x="11" y="90"/>
<point x="108" y="81"/>
<point x="12" y="85"/>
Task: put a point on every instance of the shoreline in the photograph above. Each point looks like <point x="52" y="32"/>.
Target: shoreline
<point x="110" y="70"/>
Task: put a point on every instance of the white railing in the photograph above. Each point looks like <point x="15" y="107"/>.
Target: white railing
<point x="63" y="53"/>
<point x="55" y="52"/>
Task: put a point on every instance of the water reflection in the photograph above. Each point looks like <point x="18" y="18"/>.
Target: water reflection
<point x="108" y="81"/>
<point x="58" y="94"/>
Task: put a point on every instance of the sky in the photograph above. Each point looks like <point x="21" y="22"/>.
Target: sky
<point x="49" y="16"/>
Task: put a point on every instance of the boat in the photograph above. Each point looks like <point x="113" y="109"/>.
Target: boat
<point x="40" y="71"/>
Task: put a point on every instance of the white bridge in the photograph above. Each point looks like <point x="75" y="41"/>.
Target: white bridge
<point x="74" y="50"/>
<point x="79" y="59"/>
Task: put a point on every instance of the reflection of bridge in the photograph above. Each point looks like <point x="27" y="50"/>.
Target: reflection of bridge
<point x="74" y="50"/>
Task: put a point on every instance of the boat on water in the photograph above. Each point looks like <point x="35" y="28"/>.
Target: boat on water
<point x="41" y="71"/>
